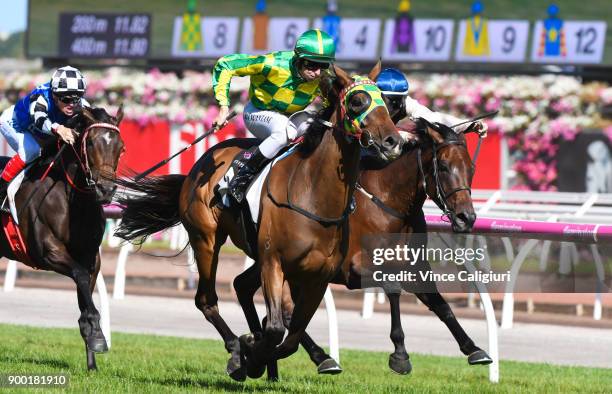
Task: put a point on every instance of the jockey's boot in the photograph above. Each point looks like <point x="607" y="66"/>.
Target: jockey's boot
<point x="252" y="162"/>
<point x="14" y="166"/>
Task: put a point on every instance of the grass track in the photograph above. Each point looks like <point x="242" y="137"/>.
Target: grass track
<point x="152" y="364"/>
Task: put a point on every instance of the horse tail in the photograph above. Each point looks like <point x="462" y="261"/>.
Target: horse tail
<point x="150" y="205"/>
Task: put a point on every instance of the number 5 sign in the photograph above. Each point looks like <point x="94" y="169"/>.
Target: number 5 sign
<point x="569" y="42"/>
<point x="432" y="41"/>
<point x="358" y="38"/>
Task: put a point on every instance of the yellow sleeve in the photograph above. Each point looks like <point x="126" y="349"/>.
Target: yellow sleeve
<point x="230" y="66"/>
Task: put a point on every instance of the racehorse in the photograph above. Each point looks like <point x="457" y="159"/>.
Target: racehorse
<point x="390" y="200"/>
<point x="60" y="213"/>
<point x="304" y="206"/>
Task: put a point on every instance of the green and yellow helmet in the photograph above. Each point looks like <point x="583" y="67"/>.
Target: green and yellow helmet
<point x="317" y="46"/>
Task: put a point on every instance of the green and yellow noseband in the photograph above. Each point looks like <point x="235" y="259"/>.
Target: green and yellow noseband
<point x="352" y="122"/>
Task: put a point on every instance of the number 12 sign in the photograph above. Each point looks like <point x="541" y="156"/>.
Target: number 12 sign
<point x="432" y="41"/>
<point x="569" y="42"/>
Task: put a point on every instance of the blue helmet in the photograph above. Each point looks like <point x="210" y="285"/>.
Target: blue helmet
<point x="553" y="10"/>
<point x="477" y="7"/>
<point x="392" y="81"/>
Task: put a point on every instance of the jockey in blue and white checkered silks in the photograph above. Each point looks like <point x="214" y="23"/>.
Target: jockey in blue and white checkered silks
<point x="394" y="87"/>
<point x="40" y="115"/>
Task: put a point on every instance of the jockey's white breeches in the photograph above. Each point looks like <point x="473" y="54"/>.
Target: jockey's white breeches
<point x="23" y="143"/>
<point x="273" y="128"/>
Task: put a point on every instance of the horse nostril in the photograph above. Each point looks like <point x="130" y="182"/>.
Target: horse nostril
<point x="390" y="142"/>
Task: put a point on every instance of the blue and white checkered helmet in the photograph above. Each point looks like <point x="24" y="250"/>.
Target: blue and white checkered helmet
<point x="68" y="80"/>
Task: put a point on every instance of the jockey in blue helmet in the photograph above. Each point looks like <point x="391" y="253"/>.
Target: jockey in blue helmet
<point x="394" y="87"/>
<point x="40" y="116"/>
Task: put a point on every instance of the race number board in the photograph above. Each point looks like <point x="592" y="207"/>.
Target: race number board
<point x="219" y="37"/>
<point x="104" y="35"/>
<point x="573" y="42"/>
<point x="502" y="41"/>
<point x="282" y="34"/>
<point x="358" y="38"/>
<point x="432" y="41"/>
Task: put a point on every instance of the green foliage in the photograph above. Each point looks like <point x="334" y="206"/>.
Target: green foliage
<point x="13" y="46"/>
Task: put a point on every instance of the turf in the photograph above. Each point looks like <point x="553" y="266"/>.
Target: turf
<point x="151" y="364"/>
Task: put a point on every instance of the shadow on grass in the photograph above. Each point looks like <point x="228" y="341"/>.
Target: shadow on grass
<point x="220" y="383"/>
<point x="51" y="362"/>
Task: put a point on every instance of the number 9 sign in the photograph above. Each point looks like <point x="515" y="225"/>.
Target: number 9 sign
<point x="500" y="41"/>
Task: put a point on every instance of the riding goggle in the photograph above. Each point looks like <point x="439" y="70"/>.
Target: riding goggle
<point x="72" y="99"/>
<point x="314" y="66"/>
<point x="394" y="102"/>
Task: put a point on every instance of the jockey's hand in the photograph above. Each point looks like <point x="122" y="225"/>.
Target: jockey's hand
<point x="480" y="128"/>
<point x="222" y="116"/>
<point x="66" y="134"/>
<point x="410" y="138"/>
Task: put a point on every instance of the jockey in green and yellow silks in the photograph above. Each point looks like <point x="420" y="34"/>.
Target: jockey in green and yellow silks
<point x="282" y="83"/>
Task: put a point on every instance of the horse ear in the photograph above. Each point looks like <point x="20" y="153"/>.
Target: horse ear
<point x="86" y="113"/>
<point x="341" y="76"/>
<point x="375" y="71"/>
<point x="435" y="135"/>
<point x="119" y="115"/>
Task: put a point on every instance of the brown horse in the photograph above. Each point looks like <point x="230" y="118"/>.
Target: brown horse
<point x="61" y="217"/>
<point x="390" y="200"/>
<point x="302" y="236"/>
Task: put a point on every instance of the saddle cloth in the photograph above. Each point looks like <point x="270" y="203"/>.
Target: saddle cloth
<point x="253" y="194"/>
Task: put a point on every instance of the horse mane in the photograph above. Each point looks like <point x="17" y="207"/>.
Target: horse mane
<point x="80" y="121"/>
<point x="316" y="130"/>
<point x="314" y="135"/>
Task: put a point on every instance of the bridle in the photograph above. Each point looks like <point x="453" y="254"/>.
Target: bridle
<point x="352" y="125"/>
<point x="442" y="196"/>
<point x="83" y="157"/>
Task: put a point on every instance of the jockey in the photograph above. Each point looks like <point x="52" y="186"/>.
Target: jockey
<point x="40" y="115"/>
<point x="394" y="87"/>
<point x="282" y="83"/>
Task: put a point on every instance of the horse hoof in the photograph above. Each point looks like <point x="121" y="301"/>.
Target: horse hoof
<point x="236" y="370"/>
<point x="329" y="367"/>
<point x="97" y="345"/>
<point x="479" y="357"/>
<point x="400" y="364"/>
<point x="255" y="371"/>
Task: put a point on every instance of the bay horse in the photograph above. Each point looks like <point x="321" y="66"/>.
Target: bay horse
<point x="61" y="217"/>
<point x="390" y="200"/>
<point x="302" y="236"/>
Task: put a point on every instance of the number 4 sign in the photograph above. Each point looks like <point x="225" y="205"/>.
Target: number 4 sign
<point x="358" y="38"/>
<point x="569" y="42"/>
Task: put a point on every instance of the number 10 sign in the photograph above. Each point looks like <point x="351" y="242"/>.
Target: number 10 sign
<point x="423" y="39"/>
